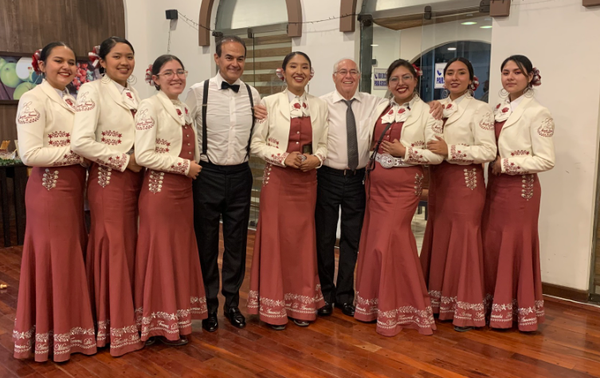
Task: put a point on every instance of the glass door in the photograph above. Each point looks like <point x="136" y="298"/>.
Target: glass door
<point x="463" y="33"/>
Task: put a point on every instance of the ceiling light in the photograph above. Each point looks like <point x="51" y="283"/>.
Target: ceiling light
<point x="485" y="27"/>
<point x="469" y="23"/>
<point x="374" y="45"/>
<point x="451" y="48"/>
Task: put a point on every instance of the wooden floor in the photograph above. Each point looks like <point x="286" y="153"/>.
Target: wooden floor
<point x="567" y="345"/>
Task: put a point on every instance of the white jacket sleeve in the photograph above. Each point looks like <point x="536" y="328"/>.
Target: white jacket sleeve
<point x="260" y="144"/>
<point x="541" y="131"/>
<point x="146" y="154"/>
<point x="483" y="148"/>
<point x="31" y="126"/>
<point x="420" y="154"/>
<point x="84" y="132"/>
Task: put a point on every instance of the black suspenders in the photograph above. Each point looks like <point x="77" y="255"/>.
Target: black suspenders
<point x="204" y="133"/>
<point x="253" y="120"/>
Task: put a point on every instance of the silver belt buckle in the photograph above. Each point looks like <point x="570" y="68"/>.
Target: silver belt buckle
<point x="385" y="160"/>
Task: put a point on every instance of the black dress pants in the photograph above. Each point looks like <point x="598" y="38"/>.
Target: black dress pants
<point x="335" y="189"/>
<point x="222" y="192"/>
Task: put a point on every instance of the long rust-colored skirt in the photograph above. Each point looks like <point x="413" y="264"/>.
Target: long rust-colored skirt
<point x="169" y="291"/>
<point x="54" y="316"/>
<point x="511" y="248"/>
<point x="452" y="253"/>
<point x="113" y="199"/>
<point x="284" y="280"/>
<point x="389" y="284"/>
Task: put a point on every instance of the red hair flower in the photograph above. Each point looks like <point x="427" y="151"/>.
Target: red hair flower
<point x="537" y="78"/>
<point x="474" y="84"/>
<point x="279" y="73"/>
<point x="418" y="70"/>
<point x="93" y="56"/>
<point x="35" y="61"/>
<point x="148" y="77"/>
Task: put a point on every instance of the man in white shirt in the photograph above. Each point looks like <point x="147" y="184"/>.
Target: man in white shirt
<point x="224" y="121"/>
<point x="340" y="184"/>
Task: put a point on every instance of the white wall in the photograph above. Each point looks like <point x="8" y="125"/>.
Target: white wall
<point x="235" y="14"/>
<point x="148" y="30"/>
<point x="560" y="39"/>
<point x="324" y="43"/>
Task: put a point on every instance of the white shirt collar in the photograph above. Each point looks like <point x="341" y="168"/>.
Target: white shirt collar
<point x="462" y="97"/>
<point x="515" y="103"/>
<point x="219" y="79"/>
<point x="338" y="97"/>
<point x="120" y="88"/>
<point x="60" y="93"/>
<point x="292" y="96"/>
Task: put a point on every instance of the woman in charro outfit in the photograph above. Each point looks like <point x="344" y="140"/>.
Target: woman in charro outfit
<point x="53" y="317"/>
<point x="293" y="141"/>
<point x="389" y="283"/>
<point x="524" y="131"/>
<point x="452" y="253"/>
<point x="169" y="291"/>
<point x="104" y="133"/>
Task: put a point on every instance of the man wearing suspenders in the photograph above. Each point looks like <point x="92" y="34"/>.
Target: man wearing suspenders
<point x="222" y="107"/>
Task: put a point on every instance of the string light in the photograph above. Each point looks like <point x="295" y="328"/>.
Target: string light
<point x="196" y="25"/>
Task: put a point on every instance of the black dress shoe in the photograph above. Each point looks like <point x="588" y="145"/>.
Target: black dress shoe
<point x="325" y="310"/>
<point x="300" y="323"/>
<point x="181" y="341"/>
<point x="462" y="329"/>
<point x="211" y="323"/>
<point x="347" y="308"/>
<point x="235" y="317"/>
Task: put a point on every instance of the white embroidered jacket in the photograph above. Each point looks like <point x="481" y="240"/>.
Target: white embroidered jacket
<point x="104" y="129"/>
<point x="469" y="132"/>
<point x="159" y="134"/>
<point x="525" y="144"/>
<point x="419" y="128"/>
<point x="271" y="135"/>
<point x="44" y="127"/>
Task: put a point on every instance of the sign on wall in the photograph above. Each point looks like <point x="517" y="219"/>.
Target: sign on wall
<point x="379" y="78"/>
<point x="439" y="75"/>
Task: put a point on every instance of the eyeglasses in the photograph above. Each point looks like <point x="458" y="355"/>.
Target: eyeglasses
<point x="405" y="78"/>
<point x="346" y="72"/>
<point x="169" y="74"/>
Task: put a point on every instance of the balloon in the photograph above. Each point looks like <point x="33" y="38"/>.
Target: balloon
<point x="24" y="68"/>
<point x="22" y="88"/>
<point x="35" y="78"/>
<point x="8" y="75"/>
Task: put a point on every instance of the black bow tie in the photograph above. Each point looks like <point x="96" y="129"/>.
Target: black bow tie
<point x="233" y="87"/>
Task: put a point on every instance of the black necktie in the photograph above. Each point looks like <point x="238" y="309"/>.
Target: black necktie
<point x="351" y="135"/>
<point x="233" y="87"/>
